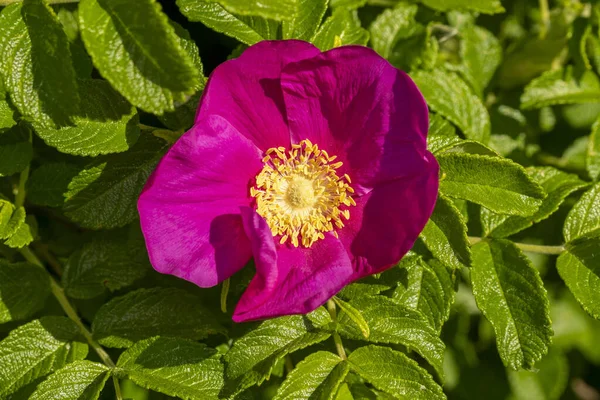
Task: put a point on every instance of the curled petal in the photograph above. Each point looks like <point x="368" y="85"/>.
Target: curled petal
<point x="290" y="280"/>
<point x="357" y="106"/>
<point x="247" y="91"/>
<point x="189" y="208"/>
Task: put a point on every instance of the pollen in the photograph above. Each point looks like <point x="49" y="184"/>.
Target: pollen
<point x="300" y="194"/>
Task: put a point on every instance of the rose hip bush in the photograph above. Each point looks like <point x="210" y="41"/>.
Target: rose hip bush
<point x="299" y="199"/>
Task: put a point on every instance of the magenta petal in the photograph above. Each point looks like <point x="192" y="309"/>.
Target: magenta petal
<point x="357" y="106"/>
<point x="290" y="280"/>
<point x="247" y="92"/>
<point x="387" y="221"/>
<point x="189" y="209"/>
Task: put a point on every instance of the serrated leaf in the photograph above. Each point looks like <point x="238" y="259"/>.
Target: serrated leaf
<point x="394" y="373"/>
<point x="253" y="355"/>
<point x="36" y="63"/>
<point x="393" y="24"/>
<point x="562" y="86"/>
<point x="344" y="25"/>
<point x="354" y="315"/>
<point x="144" y="313"/>
<point x="111" y="260"/>
<point x="445" y="235"/>
<point x="138" y="52"/>
<point x="496" y="183"/>
<point x="15" y="225"/>
<point x="451" y="97"/>
<point x="441" y="135"/>
<point x="391" y="322"/>
<point x="484" y="6"/>
<point x="306" y="18"/>
<point x="580" y="269"/>
<point x="248" y="30"/>
<point x="318" y="376"/>
<point x="481" y="53"/>
<point x="80" y="380"/>
<point x="104" y="194"/>
<point x="556" y="183"/>
<point x="175" y="367"/>
<point x="23" y="290"/>
<point x="106" y="123"/>
<point x="511" y="295"/>
<point x="278" y="10"/>
<point x="7" y="114"/>
<point x="15" y="150"/>
<point x="548" y="382"/>
<point x="584" y="217"/>
<point x="593" y="152"/>
<point x="37" y="348"/>
<point x="418" y="51"/>
<point x="48" y="184"/>
<point x="426" y="287"/>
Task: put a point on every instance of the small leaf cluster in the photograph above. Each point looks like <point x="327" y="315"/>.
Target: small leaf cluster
<point x="499" y="297"/>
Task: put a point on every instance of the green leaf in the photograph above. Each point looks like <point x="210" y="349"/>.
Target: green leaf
<point x="481" y="53"/>
<point x="176" y="367"/>
<point x="344" y="25"/>
<point x="15" y="150"/>
<point x="80" y="380"/>
<point x="391" y="322"/>
<point x="561" y="86"/>
<point x="584" y="217"/>
<point x="445" y="234"/>
<point x="278" y="10"/>
<point x="37" y="348"/>
<point x="104" y="194"/>
<point x="306" y="18"/>
<point x="24" y="234"/>
<point x="23" y="290"/>
<point x="354" y="315"/>
<point x="441" y="135"/>
<point x="347" y="4"/>
<point x="36" y="63"/>
<point x="496" y="183"/>
<point x="580" y="270"/>
<point x="7" y="114"/>
<point x="248" y="30"/>
<point x="48" y="184"/>
<point x="548" y="382"/>
<point x="418" y="51"/>
<point x="318" y="376"/>
<point x="106" y="123"/>
<point x="394" y="373"/>
<point x="511" y="295"/>
<point x="451" y="97"/>
<point x="14" y="225"/>
<point x="144" y="313"/>
<point x="593" y="152"/>
<point x="111" y="260"/>
<point x="426" y="287"/>
<point x="556" y="183"/>
<point x="393" y="24"/>
<point x="253" y="356"/>
<point x="138" y="52"/>
<point x="484" y="6"/>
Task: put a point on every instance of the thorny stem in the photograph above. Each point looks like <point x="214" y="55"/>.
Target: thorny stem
<point x="532" y="248"/>
<point x="336" y="337"/>
<point x="59" y="294"/>
<point x="545" y="15"/>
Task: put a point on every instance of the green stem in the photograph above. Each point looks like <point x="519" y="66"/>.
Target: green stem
<point x="224" y="292"/>
<point x="20" y="197"/>
<point x="339" y="346"/>
<point x="7" y="2"/>
<point x="545" y="16"/>
<point x="532" y="248"/>
<point x="59" y="294"/>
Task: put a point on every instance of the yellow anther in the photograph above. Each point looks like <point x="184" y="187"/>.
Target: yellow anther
<point x="300" y="195"/>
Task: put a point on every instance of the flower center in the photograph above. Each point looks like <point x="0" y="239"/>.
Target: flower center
<point x="300" y="195"/>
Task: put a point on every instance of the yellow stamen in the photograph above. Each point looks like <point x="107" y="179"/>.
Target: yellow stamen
<point x="300" y="195"/>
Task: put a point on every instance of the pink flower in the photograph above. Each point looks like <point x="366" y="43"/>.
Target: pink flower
<point x="313" y="163"/>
